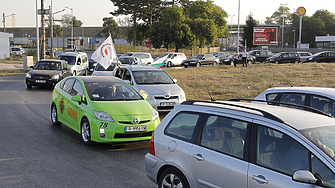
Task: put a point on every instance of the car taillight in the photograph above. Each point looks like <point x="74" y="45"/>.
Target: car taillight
<point x="152" y="145"/>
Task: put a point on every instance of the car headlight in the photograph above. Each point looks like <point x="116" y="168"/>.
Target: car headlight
<point x="28" y="75"/>
<point x="155" y="114"/>
<point x="182" y="95"/>
<point x="103" y="116"/>
<point x="55" y="77"/>
<point x="148" y="96"/>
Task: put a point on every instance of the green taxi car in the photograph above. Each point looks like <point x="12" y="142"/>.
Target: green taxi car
<point x="102" y="109"/>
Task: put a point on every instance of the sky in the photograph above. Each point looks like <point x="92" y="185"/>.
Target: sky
<point x="91" y="12"/>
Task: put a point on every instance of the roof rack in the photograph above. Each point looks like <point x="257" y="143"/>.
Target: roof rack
<point x="265" y="113"/>
<point x="306" y="108"/>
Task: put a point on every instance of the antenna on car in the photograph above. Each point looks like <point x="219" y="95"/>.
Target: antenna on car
<point x="284" y="79"/>
<point x="203" y="84"/>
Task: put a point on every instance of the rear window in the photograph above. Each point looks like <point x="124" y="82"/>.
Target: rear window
<point x="183" y="125"/>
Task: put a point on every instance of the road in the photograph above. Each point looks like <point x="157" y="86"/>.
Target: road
<point x="33" y="153"/>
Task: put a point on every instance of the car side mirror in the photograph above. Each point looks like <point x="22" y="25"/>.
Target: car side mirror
<point x="76" y="98"/>
<point x="305" y="176"/>
<point x="144" y="96"/>
<point x="31" y="67"/>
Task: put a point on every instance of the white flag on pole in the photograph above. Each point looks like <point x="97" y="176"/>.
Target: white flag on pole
<point x="105" y="53"/>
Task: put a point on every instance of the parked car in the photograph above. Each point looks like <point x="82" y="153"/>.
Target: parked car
<point x="78" y="62"/>
<point x="220" y="54"/>
<point x="162" y="92"/>
<point x="102" y="109"/>
<point x="199" y="60"/>
<point x="16" y="51"/>
<point x="100" y="70"/>
<point x="174" y="59"/>
<point x="284" y="57"/>
<point x="320" y="98"/>
<point x="47" y="72"/>
<point x="229" y="60"/>
<point x="305" y="56"/>
<point x="323" y="57"/>
<point x="146" y="58"/>
<point x="236" y="144"/>
<point x="130" y="60"/>
<point x="261" y="55"/>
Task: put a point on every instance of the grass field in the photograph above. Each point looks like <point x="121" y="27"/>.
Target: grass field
<point x="225" y="82"/>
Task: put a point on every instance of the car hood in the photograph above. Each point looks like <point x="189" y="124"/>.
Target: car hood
<point x="160" y="89"/>
<point x="123" y="108"/>
<point x="45" y="72"/>
<point x="192" y="60"/>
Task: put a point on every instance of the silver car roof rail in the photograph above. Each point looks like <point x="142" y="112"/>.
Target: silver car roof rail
<point x="264" y="113"/>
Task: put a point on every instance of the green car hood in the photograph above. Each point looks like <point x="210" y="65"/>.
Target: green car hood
<point x="121" y="108"/>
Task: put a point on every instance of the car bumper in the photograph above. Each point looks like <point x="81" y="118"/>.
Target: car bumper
<point x="192" y="64"/>
<point x="105" y="132"/>
<point x="41" y="82"/>
<point x="152" y="166"/>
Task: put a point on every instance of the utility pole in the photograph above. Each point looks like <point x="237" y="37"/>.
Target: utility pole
<point x="4" y="22"/>
<point x="43" y="31"/>
<point x="51" y="20"/>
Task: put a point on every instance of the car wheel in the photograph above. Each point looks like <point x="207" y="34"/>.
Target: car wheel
<point x="85" y="131"/>
<point x="316" y="61"/>
<point x="276" y="62"/>
<point x="198" y="65"/>
<point x="54" y="115"/>
<point x="296" y="62"/>
<point x="232" y="63"/>
<point x="215" y="63"/>
<point x="172" y="178"/>
<point x="29" y="86"/>
<point x="168" y="65"/>
<point x="185" y="66"/>
<point x="249" y="62"/>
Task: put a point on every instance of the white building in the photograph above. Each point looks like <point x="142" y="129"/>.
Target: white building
<point x="325" y="41"/>
<point x="5" y="44"/>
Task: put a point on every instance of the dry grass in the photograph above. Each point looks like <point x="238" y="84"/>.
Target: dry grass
<point x="225" y="82"/>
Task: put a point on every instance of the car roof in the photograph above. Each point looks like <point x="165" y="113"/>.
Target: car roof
<point x="71" y="53"/>
<point x="96" y="79"/>
<point x="280" y="114"/>
<point x="141" y="68"/>
<point x="52" y="60"/>
<point x="330" y="92"/>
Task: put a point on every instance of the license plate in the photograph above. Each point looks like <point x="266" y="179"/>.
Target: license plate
<point x="167" y="104"/>
<point x="40" y="81"/>
<point x="136" y="129"/>
<point x="185" y="63"/>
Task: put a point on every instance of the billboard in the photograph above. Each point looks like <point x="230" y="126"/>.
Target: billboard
<point x="265" y="35"/>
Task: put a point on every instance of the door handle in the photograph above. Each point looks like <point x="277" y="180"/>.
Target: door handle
<point x="260" y="179"/>
<point x="198" y="157"/>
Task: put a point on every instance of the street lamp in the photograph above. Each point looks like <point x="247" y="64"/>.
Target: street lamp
<point x="238" y="27"/>
<point x="282" y="33"/>
<point x="4" y="21"/>
<point x="231" y="29"/>
<point x="71" y="27"/>
<point x="293" y="37"/>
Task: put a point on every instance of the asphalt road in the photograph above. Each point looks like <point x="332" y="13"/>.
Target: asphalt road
<point x="33" y="153"/>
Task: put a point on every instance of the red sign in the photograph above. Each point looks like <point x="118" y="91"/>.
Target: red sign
<point x="265" y="35"/>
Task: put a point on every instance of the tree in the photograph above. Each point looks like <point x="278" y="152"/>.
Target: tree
<point x="328" y="19"/>
<point x="67" y="21"/>
<point x="171" y="29"/>
<point x="248" y="31"/>
<point x="110" y="27"/>
<point x="277" y="16"/>
<point x="57" y="31"/>
<point x="179" y="3"/>
<point x="207" y="21"/>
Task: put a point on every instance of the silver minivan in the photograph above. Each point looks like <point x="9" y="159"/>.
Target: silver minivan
<point x="78" y="62"/>
<point x="242" y="145"/>
<point x="161" y="91"/>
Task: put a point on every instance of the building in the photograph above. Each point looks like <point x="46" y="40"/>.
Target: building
<point x="325" y="42"/>
<point x="5" y="44"/>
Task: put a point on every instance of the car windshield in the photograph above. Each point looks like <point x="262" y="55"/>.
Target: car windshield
<point x="126" y="60"/>
<point x="71" y="60"/>
<point x="46" y="65"/>
<point x="111" y="91"/>
<point x="323" y="137"/>
<point x="127" y="54"/>
<point x="197" y="57"/>
<point x="277" y="55"/>
<point x="99" y="67"/>
<point x="16" y="49"/>
<point x="152" y="77"/>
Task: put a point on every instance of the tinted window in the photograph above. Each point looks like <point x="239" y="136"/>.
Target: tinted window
<point x="225" y="135"/>
<point x="324" y="104"/>
<point x="68" y="85"/>
<point x="71" y="60"/>
<point x="152" y="77"/>
<point x="292" y="98"/>
<point x="182" y="126"/>
<point x="77" y="89"/>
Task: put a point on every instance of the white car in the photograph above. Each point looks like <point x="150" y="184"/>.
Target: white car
<point x="17" y="51"/>
<point x="78" y="62"/>
<point x="146" y="58"/>
<point x="319" y="98"/>
<point x="161" y="91"/>
<point x="170" y="59"/>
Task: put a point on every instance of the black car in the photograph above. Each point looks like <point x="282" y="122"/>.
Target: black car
<point x="47" y="72"/>
<point x="284" y="57"/>
<point x="91" y="64"/>
<point x="323" y="57"/>
<point x="199" y="60"/>
<point x="261" y="55"/>
<point x="230" y="59"/>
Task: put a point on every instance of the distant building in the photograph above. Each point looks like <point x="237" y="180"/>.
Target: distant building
<point x="5" y="44"/>
<point x="325" y="42"/>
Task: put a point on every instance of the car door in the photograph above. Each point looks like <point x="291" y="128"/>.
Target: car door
<point x="65" y="99"/>
<point x="278" y="156"/>
<point x="75" y="109"/>
<point x="218" y="159"/>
